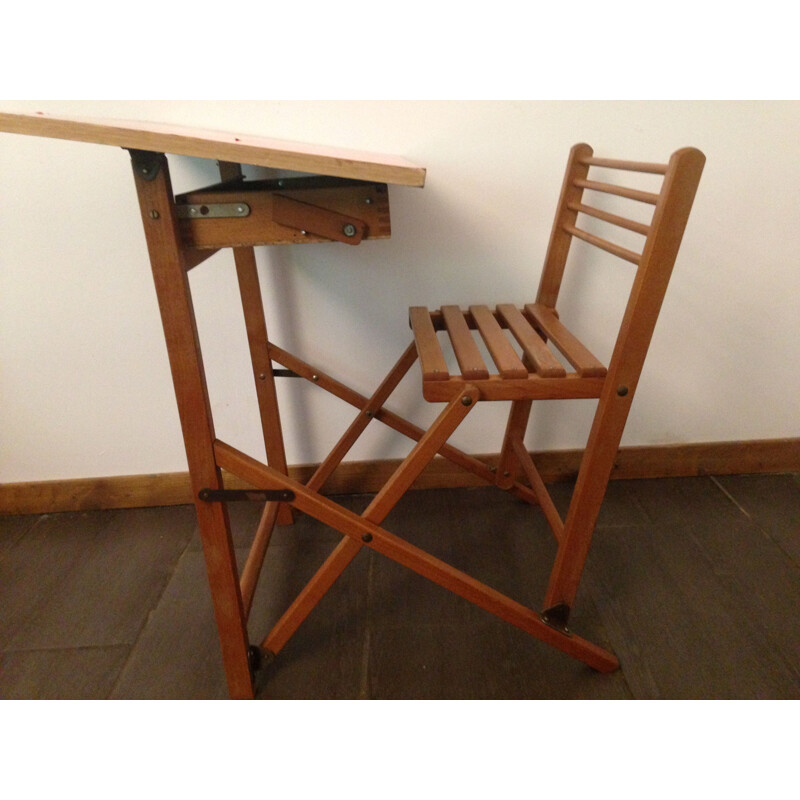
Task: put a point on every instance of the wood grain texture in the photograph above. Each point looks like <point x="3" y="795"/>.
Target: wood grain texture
<point x="219" y="145"/>
<point x="765" y="457"/>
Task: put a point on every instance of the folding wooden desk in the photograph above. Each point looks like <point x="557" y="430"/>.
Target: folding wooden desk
<point x="342" y="196"/>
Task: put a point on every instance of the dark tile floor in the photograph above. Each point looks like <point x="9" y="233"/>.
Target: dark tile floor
<point x="693" y="582"/>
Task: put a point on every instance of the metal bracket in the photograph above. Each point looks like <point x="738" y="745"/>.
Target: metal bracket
<point x="557" y="617"/>
<point x="145" y="163"/>
<point x="230" y="495"/>
<point x="317" y="220"/>
<point x="212" y="210"/>
<point x="285" y="373"/>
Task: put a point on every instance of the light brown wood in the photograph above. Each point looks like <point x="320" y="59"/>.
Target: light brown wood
<point x="762" y="456"/>
<point x="571" y="387"/>
<point x="635" y="166"/>
<point x="397" y="485"/>
<point x="289" y="216"/>
<point x="586" y="365"/>
<point x="544" y="362"/>
<point x="263" y="377"/>
<point x="558" y="248"/>
<point x="619" y="191"/>
<point x="604" y="244"/>
<point x="614" y="387"/>
<point x="614" y="219"/>
<point x="365" y="415"/>
<point x="180" y="333"/>
<point x="431" y="359"/>
<point x="255" y="558"/>
<point x="466" y="351"/>
<point x="650" y="285"/>
<point x="509" y="364"/>
<point x="360" y="530"/>
<point x="219" y="145"/>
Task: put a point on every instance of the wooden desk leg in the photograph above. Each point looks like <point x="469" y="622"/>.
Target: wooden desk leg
<point x="180" y="331"/>
<point x="258" y="340"/>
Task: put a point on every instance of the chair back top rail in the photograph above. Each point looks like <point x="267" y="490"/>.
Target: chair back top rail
<point x="572" y="205"/>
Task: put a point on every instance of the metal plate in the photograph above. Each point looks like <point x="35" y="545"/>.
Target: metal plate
<point x="212" y="210"/>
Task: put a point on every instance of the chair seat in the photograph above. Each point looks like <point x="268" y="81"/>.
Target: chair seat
<point x="520" y="343"/>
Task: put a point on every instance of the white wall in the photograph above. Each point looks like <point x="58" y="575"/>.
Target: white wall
<point x="85" y="388"/>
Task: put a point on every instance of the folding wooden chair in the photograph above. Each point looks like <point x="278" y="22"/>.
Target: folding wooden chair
<point x="520" y="341"/>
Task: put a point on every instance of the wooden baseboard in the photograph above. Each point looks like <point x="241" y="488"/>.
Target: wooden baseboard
<point x="659" y="461"/>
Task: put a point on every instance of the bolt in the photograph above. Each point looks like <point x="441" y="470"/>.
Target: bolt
<point x="349" y="230"/>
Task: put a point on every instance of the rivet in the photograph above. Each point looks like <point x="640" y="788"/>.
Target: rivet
<point x="262" y="376"/>
<point x="368" y="201"/>
<point x="154" y="214"/>
<point x="315" y="377"/>
<point x="466" y="400"/>
<point x="622" y="391"/>
<point x="367" y="537"/>
<point x="368" y="414"/>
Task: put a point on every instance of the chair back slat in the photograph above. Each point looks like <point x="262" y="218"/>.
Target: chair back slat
<point x="633" y="166"/>
<point x="604" y="244"/>
<point x="619" y="191"/>
<point x="677" y="188"/>
<point x="614" y="219"/>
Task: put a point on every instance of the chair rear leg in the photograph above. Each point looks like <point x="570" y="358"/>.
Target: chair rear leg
<point x="590" y="488"/>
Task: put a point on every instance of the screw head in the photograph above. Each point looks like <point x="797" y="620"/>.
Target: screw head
<point x="154" y="214"/>
<point x="349" y="230"/>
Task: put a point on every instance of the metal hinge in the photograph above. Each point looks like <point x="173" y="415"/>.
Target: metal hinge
<point x="557" y="617"/>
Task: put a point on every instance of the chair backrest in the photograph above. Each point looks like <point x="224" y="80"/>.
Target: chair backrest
<point x="662" y="235"/>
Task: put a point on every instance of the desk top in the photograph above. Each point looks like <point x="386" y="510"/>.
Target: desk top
<point x="221" y="146"/>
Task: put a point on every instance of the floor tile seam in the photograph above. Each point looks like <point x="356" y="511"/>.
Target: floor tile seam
<point x="730" y="589"/>
<point x="158" y="597"/>
<point x="67" y="649"/>
<point x="365" y="692"/>
<point x="603" y="606"/>
<point x="756" y="524"/>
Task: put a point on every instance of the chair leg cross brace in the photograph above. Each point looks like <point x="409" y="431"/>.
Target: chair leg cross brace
<point x="359" y="529"/>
